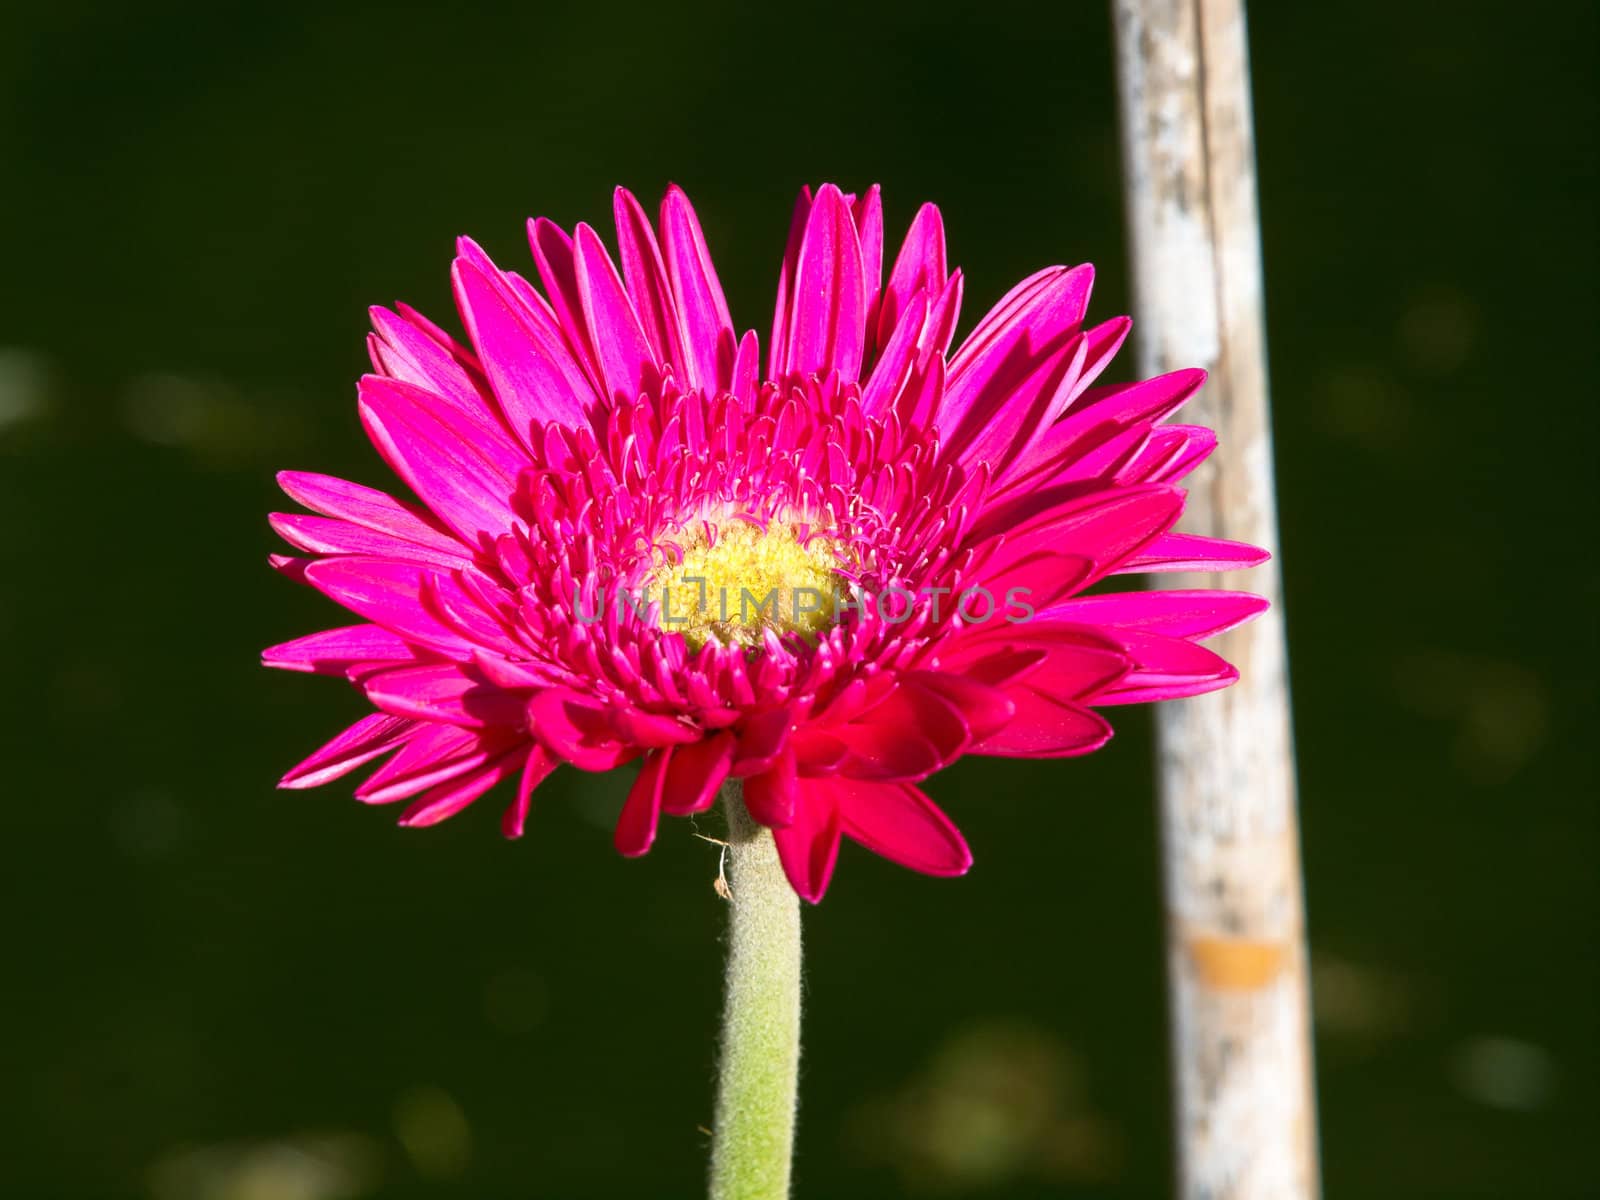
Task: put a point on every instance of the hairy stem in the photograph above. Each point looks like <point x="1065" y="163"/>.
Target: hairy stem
<point x="759" y="1064"/>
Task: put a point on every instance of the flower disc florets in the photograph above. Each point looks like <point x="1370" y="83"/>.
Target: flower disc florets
<point x="733" y="580"/>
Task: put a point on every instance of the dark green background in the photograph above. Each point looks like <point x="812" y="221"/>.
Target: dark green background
<point x="208" y="978"/>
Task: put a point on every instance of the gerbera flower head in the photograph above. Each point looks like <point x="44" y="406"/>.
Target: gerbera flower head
<point x="827" y="571"/>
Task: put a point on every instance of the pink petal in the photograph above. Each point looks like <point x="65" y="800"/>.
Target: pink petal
<point x="1042" y="308"/>
<point x="1076" y="664"/>
<point x="432" y="755"/>
<point x="290" y="566"/>
<point x="465" y="476"/>
<point x="771" y="796"/>
<point x="416" y="353"/>
<point x="528" y="363"/>
<point x="333" y="651"/>
<point x="943" y="311"/>
<point x="468" y="603"/>
<point x="867" y="212"/>
<point x="515" y="676"/>
<point x="1100" y="413"/>
<point x="1057" y="445"/>
<point x="744" y="369"/>
<point x="707" y="327"/>
<point x="920" y="266"/>
<point x="576" y="730"/>
<point x="900" y="736"/>
<point x="557" y="266"/>
<point x="893" y="368"/>
<point x="1166" y="668"/>
<point x="327" y="535"/>
<point x="535" y="772"/>
<point x="1193" y="614"/>
<point x="628" y="366"/>
<point x="1068" y="661"/>
<point x="372" y="510"/>
<point x="1016" y="401"/>
<point x="808" y="847"/>
<point x="922" y="395"/>
<point x="696" y="772"/>
<point x="827" y="329"/>
<point x="1198" y="445"/>
<point x="361" y="743"/>
<point x="450" y="798"/>
<point x="762" y="738"/>
<point x="1123" y="404"/>
<point x="1019" y="572"/>
<point x="1172" y="452"/>
<point x="1044" y="727"/>
<point x="1095" y="461"/>
<point x="782" y="318"/>
<point x="887" y="752"/>
<point x="900" y="823"/>
<point x="817" y="751"/>
<point x="1107" y="528"/>
<point x="653" y="729"/>
<point x="984" y="709"/>
<point x="1036" y="318"/>
<point x="636" y="826"/>
<point x="388" y="593"/>
<point x="1189" y="552"/>
<point x="648" y="285"/>
<point x="444" y="692"/>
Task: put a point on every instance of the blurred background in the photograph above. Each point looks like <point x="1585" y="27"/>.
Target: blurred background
<point x="223" y="992"/>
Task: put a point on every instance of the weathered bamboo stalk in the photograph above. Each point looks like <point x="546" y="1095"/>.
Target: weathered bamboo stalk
<point x="1245" y="1112"/>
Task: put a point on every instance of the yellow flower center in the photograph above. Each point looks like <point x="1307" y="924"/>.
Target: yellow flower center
<point x="746" y="581"/>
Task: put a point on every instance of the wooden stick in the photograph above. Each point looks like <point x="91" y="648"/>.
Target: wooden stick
<point x="1245" y="1114"/>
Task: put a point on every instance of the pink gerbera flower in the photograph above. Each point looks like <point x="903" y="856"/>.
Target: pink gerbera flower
<point x="827" y="578"/>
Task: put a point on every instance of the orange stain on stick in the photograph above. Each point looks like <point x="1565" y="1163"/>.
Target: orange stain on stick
<point x="1235" y="964"/>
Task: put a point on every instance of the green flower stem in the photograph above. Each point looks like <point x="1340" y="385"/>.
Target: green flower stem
<point x="753" y="1138"/>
